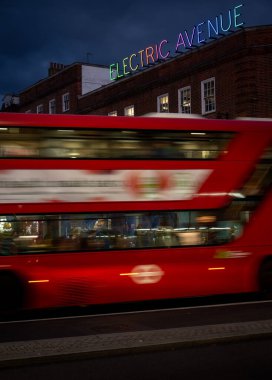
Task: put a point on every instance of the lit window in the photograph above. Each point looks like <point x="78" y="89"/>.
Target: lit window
<point x="129" y="111"/>
<point x="52" y="106"/>
<point x="184" y="98"/>
<point x="65" y="102"/>
<point x="163" y="103"/>
<point x="40" y="108"/>
<point x="112" y="113"/>
<point x="208" y="95"/>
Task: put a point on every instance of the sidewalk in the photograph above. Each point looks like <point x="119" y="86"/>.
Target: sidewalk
<point x="72" y="348"/>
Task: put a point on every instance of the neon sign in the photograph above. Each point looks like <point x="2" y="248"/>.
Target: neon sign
<point x="200" y="33"/>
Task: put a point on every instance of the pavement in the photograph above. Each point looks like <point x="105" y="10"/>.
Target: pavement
<point x="22" y="353"/>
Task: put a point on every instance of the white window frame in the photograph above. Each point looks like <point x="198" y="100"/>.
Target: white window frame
<point x="112" y="113"/>
<point x="161" y="104"/>
<point x="66" y="102"/>
<point x="39" y="108"/>
<point x="129" y="110"/>
<point x="208" y="96"/>
<point x="183" y="98"/>
<point x="52" y="106"/>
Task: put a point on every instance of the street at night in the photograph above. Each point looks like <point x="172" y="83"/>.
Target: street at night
<point x="215" y="340"/>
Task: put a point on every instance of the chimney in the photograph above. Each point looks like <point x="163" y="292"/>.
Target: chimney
<point x="55" y="68"/>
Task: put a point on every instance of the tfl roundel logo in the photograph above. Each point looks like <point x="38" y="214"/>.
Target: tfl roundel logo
<point x="146" y="274"/>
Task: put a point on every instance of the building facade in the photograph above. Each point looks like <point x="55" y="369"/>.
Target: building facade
<point x="60" y="91"/>
<point x="228" y="77"/>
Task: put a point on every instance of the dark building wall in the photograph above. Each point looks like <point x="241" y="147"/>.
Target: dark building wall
<point x="64" y="81"/>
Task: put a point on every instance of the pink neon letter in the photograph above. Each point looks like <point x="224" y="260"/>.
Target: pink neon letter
<point x="160" y="51"/>
<point x="180" y="42"/>
<point x="190" y="42"/>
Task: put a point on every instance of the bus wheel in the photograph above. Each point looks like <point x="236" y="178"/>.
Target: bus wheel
<point x="266" y="278"/>
<point x="11" y="292"/>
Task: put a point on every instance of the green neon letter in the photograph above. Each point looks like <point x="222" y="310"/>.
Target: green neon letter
<point x="113" y="71"/>
<point x="125" y="65"/>
<point x="119" y="75"/>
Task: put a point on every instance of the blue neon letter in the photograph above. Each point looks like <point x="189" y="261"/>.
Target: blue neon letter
<point x="236" y="15"/>
<point x="221" y="22"/>
<point x="199" y="31"/>
<point x="211" y="26"/>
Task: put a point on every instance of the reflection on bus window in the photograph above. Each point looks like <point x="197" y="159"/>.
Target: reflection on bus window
<point x="112" y="144"/>
<point x="133" y="230"/>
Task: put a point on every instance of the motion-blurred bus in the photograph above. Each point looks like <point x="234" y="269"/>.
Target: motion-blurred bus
<point x="100" y="210"/>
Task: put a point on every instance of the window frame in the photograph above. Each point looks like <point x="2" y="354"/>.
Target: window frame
<point x="128" y="109"/>
<point x="210" y="96"/>
<point x="66" y="102"/>
<point x="40" y="108"/>
<point x="181" y="99"/>
<point x="160" y="104"/>
<point x="52" y="101"/>
<point x="113" y="113"/>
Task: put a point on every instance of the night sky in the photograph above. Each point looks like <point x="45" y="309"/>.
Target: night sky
<point x="35" y="33"/>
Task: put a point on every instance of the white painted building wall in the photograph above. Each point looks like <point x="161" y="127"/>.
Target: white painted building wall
<point x="94" y="77"/>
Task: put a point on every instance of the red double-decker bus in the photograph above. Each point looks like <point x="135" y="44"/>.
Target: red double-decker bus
<point x="97" y="210"/>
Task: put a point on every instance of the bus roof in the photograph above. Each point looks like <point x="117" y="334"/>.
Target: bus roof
<point x="128" y="122"/>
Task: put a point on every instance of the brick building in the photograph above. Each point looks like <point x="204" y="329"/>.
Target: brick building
<point x="228" y="77"/>
<point x="59" y="92"/>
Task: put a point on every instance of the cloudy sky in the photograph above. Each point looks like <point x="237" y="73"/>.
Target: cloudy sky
<point x="35" y="33"/>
